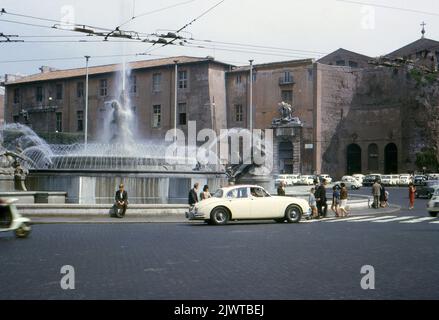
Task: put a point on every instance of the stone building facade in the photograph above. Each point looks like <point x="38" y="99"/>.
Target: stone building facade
<point x="53" y="101"/>
<point x="359" y="114"/>
<point x="2" y="105"/>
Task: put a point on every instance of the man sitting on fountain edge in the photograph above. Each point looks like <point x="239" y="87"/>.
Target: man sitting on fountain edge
<point x="121" y="201"/>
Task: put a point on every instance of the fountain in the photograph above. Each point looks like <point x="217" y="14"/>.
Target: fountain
<point x="90" y="173"/>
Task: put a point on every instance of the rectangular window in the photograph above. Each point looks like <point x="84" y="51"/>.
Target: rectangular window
<point x="238" y="113"/>
<point x="59" y="91"/>
<point x="182" y="118"/>
<point x="133" y="84"/>
<point x="157" y="116"/>
<point x="17" y="95"/>
<point x="80" y="89"/>
<point x="353" y="64"/>
<point x="39" y="94"/>
<point x="59" y="122"/>
<point x="103" y="87"/>
<point x="340" y="63"/>
<point x="156" y="80"/>
<point x="182" y="79"/>
<point x="287" y="96"/>
<point x="80" y="120"/>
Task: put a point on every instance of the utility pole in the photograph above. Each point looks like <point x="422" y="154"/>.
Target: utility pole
<point x="251" y="98"/>
<point x="86" y="101"/>
<point x="175" y="99"/>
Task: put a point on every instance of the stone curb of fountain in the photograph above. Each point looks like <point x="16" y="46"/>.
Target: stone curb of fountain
<point x="164" y="218"/>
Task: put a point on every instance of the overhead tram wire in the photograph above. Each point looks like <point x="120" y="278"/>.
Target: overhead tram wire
<point x="389" y="7"/>
<point x="187" y="25"/>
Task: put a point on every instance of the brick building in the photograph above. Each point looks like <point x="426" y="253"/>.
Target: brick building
<point x="53" y="100"/>
<point x="359" y="114"/>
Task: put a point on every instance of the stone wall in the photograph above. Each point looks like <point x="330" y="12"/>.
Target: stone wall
<point x="376" y="105"/>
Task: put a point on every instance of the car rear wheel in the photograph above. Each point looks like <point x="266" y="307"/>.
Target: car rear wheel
<point x="219" y="216"/>
<point x="23" y="231"/>
<point x="433" y="214"/>
<point x="293" y="214"/>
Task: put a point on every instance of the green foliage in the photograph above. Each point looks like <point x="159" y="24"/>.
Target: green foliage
<point x="61" y="137"/>
<point x="427" y="158"/>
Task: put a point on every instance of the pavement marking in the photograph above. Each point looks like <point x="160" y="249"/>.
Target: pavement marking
<point x="395" y="219"/>
<point x="349" y="219"/>
<point x="318" y="220"/>
<point x="373" y="219"/>
<point x="419" y="220"/>
<point x="434" y="222"/>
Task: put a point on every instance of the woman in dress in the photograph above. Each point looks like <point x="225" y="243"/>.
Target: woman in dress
<point x="205" y="194"/>
<point x="412" y="191"/>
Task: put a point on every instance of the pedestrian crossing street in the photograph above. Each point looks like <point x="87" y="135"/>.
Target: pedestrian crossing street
<point x="375" y="219"/>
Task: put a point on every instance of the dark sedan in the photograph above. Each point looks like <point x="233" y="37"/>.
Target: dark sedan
<point x="427" y="190"/>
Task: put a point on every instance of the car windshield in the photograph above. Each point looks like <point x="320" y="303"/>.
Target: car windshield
<point x="218" y="194"/>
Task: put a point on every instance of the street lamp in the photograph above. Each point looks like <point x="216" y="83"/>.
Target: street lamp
<point x="251" y="97"/>
<point x="175" y="99"/>
<point x="86" y="101"/>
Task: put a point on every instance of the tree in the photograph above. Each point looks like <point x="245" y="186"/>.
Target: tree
<point x="427" y="159"/>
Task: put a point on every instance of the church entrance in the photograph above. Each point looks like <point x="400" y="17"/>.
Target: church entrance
<point x="391" y="158"/>
<point x="286" y="157"/>
<point x="353" y="159"/>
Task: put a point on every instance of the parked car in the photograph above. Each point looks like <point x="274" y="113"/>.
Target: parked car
<point x="433" y="204"/>
<point x="427" y="190"/>
<point x="307" y="180"/>
<point x="350" y="182"/>
<point x="386" y="180"/>
<point x="405" y="179"/>
<point x="359" y="177"/>
<point x="420" y="180"/>
<point x="327" y="177"/>
<point x="290" y="179"/>
<point x="247" y="202"/>
<point x="370" y="179"/>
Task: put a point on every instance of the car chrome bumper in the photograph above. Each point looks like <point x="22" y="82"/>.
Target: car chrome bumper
<point x="191" y="215"/>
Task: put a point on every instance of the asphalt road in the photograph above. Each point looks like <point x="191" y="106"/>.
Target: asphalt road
<point x="261" y="260"/>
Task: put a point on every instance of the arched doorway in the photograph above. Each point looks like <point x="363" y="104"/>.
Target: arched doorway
<point x="373" y="162"/>
<point x="353" y="159"/>
<point x="391" y="158"/>
<point x="286" y="157"/>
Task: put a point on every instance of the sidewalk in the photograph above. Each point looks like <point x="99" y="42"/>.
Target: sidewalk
<point x="174" y="218"/>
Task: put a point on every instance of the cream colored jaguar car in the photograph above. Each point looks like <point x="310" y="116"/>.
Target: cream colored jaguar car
<point x="247" y="202"/>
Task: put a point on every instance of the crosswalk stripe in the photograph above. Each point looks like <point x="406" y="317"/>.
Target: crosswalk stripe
<point x="419" y="220"/>
<point x="318" y="220"/>
<point x="373" y="219"/>
<point x="395" y="219"/>
<point x="349" y="219"/>
<point x="434" y="222"/>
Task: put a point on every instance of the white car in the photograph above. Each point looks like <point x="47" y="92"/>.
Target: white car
<point x="386" y="180"/>
<point x="247" y="202"/>
<point x="359" y="177"/>
<point x="405" y="179"/>
<point x="290" y="179"/>
<point x="433" y="204"/>
<point x="326" y="177"/>
<point x="307" y="180"/>
<point x="350" y="182"/>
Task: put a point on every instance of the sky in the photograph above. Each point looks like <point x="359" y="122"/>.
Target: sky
<point x="307" y="28"/>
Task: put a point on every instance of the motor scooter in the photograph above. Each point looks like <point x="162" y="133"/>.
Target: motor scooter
<point x="11" y="220"/>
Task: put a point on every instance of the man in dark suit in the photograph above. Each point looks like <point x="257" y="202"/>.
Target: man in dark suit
<point x="320" y="195"/>
<point x="193" y="195"/>
<point x="121" y="200"/>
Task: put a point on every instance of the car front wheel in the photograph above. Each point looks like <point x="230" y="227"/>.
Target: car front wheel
<point x="293" y="214"/>
<point x="219" y="216"/>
